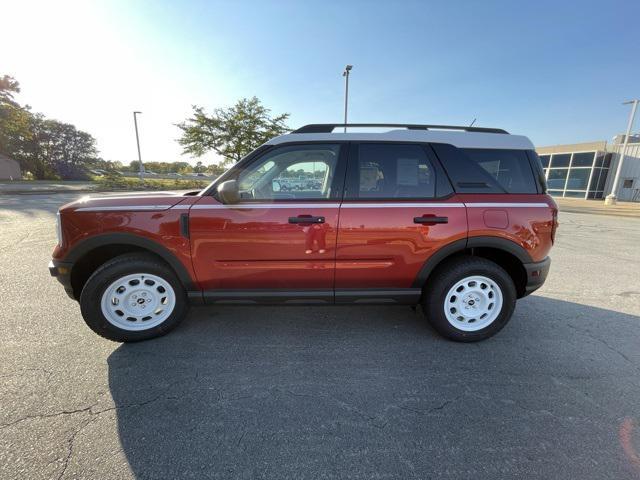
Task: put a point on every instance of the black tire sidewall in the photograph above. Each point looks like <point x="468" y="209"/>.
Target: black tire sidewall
<point x="91" y="297"/>
<point x="445" y="278"/>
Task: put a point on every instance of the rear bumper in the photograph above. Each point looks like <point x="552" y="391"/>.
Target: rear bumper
<point x="62" y="272"/>
<point x="536" y="275"/>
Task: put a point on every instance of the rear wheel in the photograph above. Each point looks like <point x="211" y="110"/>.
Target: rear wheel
<point x="133" y="297"/>
<point x="469" y="299"/>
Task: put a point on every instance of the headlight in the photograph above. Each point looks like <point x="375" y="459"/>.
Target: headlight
<point x="59" y="228"/>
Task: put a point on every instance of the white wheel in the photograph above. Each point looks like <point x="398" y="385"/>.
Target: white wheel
<point x="473" y="303"/>
<point x="137" y="302"/>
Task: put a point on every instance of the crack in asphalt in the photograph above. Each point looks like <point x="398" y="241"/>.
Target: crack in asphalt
<point x="605" y="343"/>
<point x="93" y="416"/>
<point x="70" y="446"/>
<point x="46" y="415"/>
<point x="432" y="409"/>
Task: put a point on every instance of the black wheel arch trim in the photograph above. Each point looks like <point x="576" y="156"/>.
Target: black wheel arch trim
<point x="463" y="244"/>
<point x="500" y="243"/>
<point x="85" y="246"/>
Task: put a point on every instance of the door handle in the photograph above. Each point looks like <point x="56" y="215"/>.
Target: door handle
<point x="306" y="219"/>
<point x="430" y="220"/>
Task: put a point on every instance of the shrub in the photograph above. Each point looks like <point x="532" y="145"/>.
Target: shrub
<point x="116" y="182"/>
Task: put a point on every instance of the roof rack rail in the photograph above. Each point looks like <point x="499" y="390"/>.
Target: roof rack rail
<point x="329" y="127"/>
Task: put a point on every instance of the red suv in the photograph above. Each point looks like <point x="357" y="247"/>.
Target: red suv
<point x="456" y="219"/>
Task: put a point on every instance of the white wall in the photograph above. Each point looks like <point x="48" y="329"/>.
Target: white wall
<point x="630" y="169"/>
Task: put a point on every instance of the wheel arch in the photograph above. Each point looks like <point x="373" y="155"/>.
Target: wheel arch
<point x="89" y="254"/>
<point x="506" y="253"/>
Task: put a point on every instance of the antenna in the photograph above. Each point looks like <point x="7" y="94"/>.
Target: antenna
<point x="474" y="121"/>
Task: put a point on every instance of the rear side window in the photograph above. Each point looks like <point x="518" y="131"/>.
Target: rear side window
<point x="510" y="168"/>
<point x="392" y="171"/>
<point x="487" y="170"/>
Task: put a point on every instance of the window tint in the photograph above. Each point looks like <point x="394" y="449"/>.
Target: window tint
<point x="578" y="178"/>
<point x="295" y="172"/>
<point x="538" y="171"/>
<point x="594" y="178"/>
<point x="560" y="160"/>
<point x="545" y="160"/>
<point x="393" y="171"/>
<point x="557" y="178"/>
<point x="582" y="159"/>
<point x="509" y="168"/>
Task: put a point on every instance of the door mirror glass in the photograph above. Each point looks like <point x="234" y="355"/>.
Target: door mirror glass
<point x="275" y="185"/>
<point x="228" y="192"/>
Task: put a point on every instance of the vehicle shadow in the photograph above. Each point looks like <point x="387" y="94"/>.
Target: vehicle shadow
<point x="368" y="392"/>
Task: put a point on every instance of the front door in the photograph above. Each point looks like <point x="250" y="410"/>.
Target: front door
<point x="398" y="210"/>
<point x="281" y="237"/>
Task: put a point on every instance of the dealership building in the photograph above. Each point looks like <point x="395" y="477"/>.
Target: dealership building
<point x="587" y="170"/>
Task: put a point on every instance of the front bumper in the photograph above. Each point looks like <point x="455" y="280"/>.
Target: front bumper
<point x="536" y="275"/>
<point x="62" y="272"/>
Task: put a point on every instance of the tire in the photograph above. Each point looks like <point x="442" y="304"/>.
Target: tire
<point x="479" y="306"/>
<point x="133" y="297"/>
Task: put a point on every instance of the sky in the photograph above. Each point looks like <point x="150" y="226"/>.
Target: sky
<point x="555" y="71"/>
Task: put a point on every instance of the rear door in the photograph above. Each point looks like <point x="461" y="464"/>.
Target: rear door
<point x="282" y="234"/>
<point x="398" y="210"/>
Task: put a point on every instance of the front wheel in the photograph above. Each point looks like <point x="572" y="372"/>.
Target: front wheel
<point x="469" y="299"/>
<point x="133" y="297"/>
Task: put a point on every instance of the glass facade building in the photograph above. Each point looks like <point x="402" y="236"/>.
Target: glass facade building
<point x="577" y="174"/>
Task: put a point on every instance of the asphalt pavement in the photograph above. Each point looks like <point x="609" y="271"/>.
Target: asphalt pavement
<point x="325" y="392"/>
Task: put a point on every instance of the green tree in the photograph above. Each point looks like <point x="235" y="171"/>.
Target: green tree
<point x="46" y="148"/>
<point x="232" y="132"/>
<point x="14" y="119"/>
<point x="57" y="150"/>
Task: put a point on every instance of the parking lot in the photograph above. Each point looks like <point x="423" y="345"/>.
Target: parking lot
<point x="331" y="392"/>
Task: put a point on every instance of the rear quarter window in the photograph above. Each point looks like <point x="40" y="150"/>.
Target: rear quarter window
<point x="487" y="170"/>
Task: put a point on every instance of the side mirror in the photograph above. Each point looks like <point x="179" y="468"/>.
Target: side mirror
<point x="228" y="192"/>
<point x="275" y="186"/>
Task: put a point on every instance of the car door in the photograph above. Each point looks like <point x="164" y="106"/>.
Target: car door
<point x="280" y="238"/>
<point x="398" y="210"/>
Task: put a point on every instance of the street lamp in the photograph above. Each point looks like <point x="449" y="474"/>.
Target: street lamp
<point x="613" y="196"/>
<point x="135" y="123"/>
<point x="345" y="74"/>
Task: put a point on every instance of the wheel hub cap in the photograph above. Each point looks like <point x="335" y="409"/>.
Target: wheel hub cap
<point x="473" y="303"/>
<point x="138" y="302"/>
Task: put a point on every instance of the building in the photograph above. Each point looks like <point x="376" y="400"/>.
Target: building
<point x="9" y="168"/>
<point x="587" y="170"/>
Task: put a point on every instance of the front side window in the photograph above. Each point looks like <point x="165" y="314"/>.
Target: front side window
<point x="294" y="172"/>
<point x="393" y="171"/>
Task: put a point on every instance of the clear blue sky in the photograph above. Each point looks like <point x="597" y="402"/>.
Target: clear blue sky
<point x="555" y="71"/>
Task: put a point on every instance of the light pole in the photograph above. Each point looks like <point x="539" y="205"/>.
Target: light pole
<point x="345" y="74"/>
<point x="612" y="198"/>
<point x="135" y="123"/>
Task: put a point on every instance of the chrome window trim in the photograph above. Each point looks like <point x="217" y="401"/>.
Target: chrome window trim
<point x="401" y="205"/>
<point x="252" y="206"/>
<point x="507" y="205"/>
<point x="124" y="208"/>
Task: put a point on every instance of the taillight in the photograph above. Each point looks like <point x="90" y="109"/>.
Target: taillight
<point x="554" y="225"/>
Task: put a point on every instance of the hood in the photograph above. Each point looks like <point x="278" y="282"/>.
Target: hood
<point x="157" y="201"/>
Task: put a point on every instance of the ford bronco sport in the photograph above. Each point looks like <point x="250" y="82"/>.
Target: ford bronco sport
<point x="456" y="219"/>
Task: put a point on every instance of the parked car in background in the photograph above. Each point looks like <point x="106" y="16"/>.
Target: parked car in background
<point x="455" y="219"/>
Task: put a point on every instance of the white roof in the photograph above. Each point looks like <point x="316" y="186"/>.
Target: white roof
<point x="455" y="138"/>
